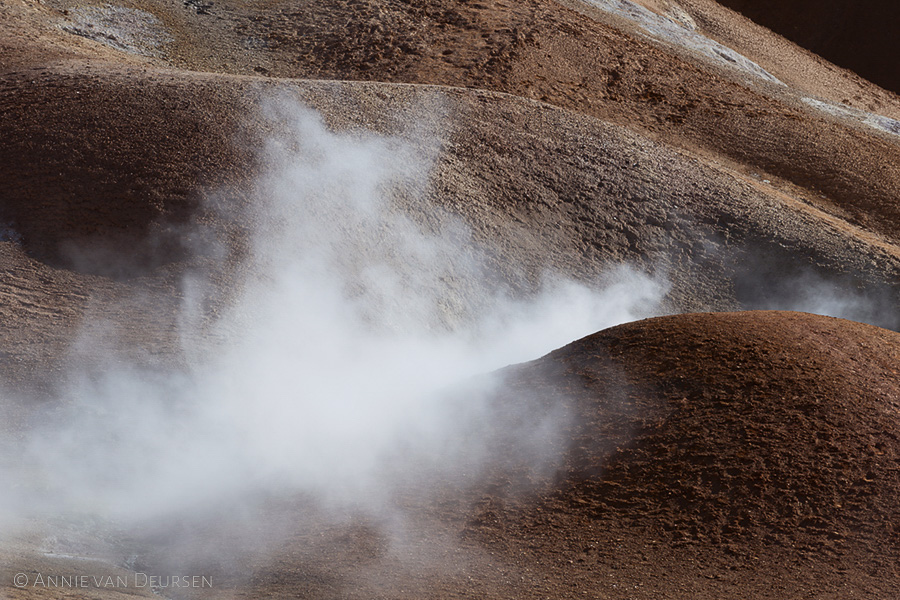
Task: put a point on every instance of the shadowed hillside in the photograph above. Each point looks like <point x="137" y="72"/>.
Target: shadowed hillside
<point x="859" y="36"/>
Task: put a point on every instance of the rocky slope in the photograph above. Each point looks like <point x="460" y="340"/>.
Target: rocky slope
<point x="728" y="455"/>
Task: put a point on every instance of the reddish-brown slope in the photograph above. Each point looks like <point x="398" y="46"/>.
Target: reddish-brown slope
<point x="571" y="56"/>
<point x="539" y="49"/>
<point x="762" y="446"/>
<point x="114" y="157"/>
<point x="786" y="421"/>
<point x="106" y="170"/>
<point x="710" y="456"/>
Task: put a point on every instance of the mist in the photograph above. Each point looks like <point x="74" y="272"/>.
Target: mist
<point x="351" y="357"/>
<point x="783" y="280"/>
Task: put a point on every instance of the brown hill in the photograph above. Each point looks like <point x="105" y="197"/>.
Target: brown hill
<point x="138" y="144"/>
<point x="747" y="455"/>
<point x="106" y="151"/>
<point x="576" y="56"/>
<point x="731" y="455"/>
<point x="744" y="455"/>
<point x="107" y="173"/>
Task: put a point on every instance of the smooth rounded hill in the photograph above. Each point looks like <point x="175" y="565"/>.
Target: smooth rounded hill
<point x="720" y="453"/>
<point x="707" y="456"/>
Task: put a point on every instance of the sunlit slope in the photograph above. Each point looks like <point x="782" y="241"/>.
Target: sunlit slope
<point x="584" y="56"/>
<point x="114" y="172"/>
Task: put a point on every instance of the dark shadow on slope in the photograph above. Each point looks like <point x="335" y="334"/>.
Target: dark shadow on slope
<point x="771" y="276"/>
<point x="860" y="36"/>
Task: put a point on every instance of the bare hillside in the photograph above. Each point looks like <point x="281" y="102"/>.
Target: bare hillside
<point x="263" y="266"/>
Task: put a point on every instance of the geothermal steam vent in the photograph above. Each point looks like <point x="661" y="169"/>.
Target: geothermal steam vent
<point x="447" y="299"/>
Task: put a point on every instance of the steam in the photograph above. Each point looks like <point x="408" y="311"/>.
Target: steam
<point x="817" y="295"/>
<point x="349" y="363"/>
<point x="780" y="281"/>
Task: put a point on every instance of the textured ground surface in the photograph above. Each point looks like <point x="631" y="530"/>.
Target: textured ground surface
<point x="733" y="455"/>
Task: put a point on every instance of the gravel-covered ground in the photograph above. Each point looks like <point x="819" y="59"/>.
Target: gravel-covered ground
<point x="512" y="146"/>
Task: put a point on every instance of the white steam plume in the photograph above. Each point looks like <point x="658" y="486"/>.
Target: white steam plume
<point x="329" y="372"/>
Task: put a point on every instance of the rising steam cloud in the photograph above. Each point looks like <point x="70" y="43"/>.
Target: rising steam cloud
<point x="329" y="372"/>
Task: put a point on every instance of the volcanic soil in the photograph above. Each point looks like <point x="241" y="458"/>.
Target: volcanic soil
<point x="708" y="455"/>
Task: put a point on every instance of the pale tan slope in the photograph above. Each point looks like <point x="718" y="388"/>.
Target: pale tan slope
<point x="790" y="60"/>
<point x="579" y="58"/>
<point x="790" y="489"/>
